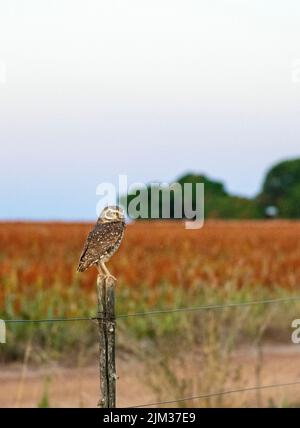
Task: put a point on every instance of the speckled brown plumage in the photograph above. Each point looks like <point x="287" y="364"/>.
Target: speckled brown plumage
<point x="103" y="241"/>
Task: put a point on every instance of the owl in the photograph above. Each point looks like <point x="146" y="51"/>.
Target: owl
<point x="103" y="241"/>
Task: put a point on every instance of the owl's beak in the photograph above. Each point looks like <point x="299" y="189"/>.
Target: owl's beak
<point x="120" y="215"/>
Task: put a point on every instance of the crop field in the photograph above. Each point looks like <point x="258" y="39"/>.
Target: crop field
<point x="159" y="266"/>
<point x="156" y="264"/>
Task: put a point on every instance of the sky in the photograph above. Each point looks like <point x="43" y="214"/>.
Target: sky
<point x="151" y="89"/>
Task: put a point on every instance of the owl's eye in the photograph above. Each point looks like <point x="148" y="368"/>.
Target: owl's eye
<point x="109" y="215"/>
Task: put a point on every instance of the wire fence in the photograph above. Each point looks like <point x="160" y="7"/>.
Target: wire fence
<point x="216" y="394"/>
<point x="159" y="312"/>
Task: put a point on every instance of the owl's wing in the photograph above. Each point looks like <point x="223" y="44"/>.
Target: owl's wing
<point x="87" y="255"/>
<point x="86" y="246"/>
<point x="100" y="240"/>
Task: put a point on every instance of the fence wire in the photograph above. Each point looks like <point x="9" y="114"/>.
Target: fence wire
<point x="46" y="320"/>
<point x="178" y="310"/>
<point x="160" y="311"/>
<point x="211" y="307"/>
<point x="216" y="394"/>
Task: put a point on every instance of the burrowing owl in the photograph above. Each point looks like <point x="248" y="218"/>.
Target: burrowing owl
<point x="104" y="240"/>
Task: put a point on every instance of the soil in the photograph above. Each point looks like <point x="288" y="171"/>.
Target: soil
<point x="58" y="386"/>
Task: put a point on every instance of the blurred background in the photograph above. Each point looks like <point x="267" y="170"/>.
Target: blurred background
<point x="195" y="92"/>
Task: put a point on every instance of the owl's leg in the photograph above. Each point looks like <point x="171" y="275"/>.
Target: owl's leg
<point x="99" y="269"/>
<point x="106" y="271"/>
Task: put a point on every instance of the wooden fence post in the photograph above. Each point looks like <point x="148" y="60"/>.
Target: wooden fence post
<point x="107" y="329"/>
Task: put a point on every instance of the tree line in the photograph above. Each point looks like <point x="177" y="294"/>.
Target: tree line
<point x="279" y="196"/>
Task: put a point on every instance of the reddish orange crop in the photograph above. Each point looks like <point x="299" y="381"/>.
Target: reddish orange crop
<point x="36" y="256"/>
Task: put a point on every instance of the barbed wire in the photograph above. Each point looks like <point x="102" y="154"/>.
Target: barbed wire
<point x="216" y="394"/>
<point x="159" y="311"/>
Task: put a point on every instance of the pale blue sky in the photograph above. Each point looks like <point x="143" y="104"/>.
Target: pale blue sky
<point x="92" y="89"/>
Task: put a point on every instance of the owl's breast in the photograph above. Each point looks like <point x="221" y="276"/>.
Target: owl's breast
<point x="113" y="249"/>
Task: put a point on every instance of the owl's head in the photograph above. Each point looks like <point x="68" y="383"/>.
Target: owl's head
<point x="112" y="213"/>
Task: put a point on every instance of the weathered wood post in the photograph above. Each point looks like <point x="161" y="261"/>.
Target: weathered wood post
<point x="107" y="329"/>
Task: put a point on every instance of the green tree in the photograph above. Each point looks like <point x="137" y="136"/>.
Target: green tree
<point x="281" y="189"/>
<point x="218" y="203"/>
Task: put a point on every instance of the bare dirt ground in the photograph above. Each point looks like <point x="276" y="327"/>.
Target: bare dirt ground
<point x="79" y="387"/>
